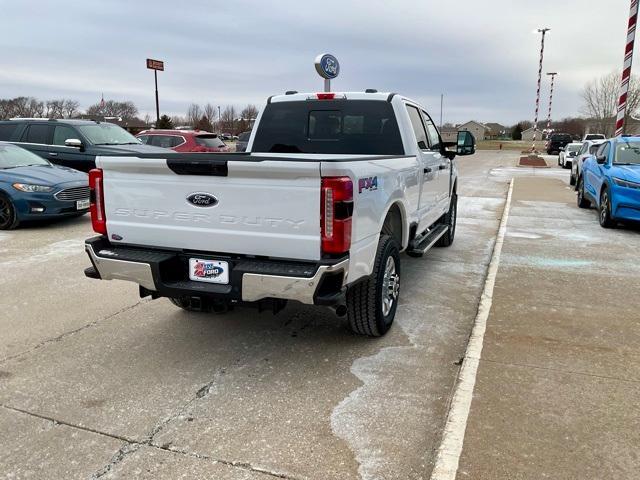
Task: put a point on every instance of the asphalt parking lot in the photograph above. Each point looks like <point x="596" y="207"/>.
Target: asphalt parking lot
<point x="96" y="383"/>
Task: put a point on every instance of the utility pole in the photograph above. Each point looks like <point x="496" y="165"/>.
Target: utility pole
<point x="535" y="120"/>
<point x="219" y="121"/>
<point x="553" y="76"/>
<point x="626" y="68"/>
<point x="441" y="104"/>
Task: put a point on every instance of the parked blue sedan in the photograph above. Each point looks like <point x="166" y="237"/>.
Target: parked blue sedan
<point x="610" y="179"/>
<point x="31" y="188"/>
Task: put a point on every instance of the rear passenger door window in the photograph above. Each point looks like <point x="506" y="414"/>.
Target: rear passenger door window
<point x="37" y="134"/>
<point x="166" y="141"/>
<point x="6" y="130"/>
<point x="62" y="133"/>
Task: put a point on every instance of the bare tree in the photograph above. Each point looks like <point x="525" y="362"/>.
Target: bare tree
<point x="227" y="119"/>
<point x="70" y="108"/>
<point x="600" y="98"/>
<point x="125" y="110"/>
<point x="250" y="112"/>
<point x="55" y="108"/>
<point x="210" y="112"/>
<point x="194" y="114"/>
<point x="178" y="121"/>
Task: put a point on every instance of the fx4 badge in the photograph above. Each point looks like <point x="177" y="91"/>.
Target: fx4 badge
<point x="367" y="183"/>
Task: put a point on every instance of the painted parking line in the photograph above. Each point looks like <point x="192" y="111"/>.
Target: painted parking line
<point x="448" y="457"/>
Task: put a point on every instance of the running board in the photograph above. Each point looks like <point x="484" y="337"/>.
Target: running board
<point x="427" y="241"/>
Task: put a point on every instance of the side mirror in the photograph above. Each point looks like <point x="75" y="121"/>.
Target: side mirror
<point x="573" y="154"/>
<point x="73" y="142"/>
<point x="601" y="159"/>
<point x="561" y="149"/>
<point x="466" y="144"/>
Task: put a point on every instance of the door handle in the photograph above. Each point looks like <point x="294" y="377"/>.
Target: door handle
<point x="427" y="170"/>
<point x="442" y="166"/>
<point x="53" y="154"/>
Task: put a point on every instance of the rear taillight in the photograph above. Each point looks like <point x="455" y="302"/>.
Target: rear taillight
<point x="336" y="209"/>
<point x="98" y="218"/>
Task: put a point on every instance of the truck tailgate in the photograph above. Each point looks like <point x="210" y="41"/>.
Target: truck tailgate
<point x="269" y="208"/>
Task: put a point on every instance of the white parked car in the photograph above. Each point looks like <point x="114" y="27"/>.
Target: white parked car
<point x="332" y="188"/>
<point x="589" y="147"/>
<point x="568" y="153"/>
<point x="593" y="136"/>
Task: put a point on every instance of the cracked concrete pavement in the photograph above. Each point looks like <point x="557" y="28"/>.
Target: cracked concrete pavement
<point x="95" y="383"/>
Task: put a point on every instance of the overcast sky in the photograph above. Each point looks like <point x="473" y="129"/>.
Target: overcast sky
<point x="482" y="55"/>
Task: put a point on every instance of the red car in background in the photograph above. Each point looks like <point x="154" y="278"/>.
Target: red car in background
<point x="184" y="140"/>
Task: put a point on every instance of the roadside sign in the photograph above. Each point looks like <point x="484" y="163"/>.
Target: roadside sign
<point x="155" y="64"/>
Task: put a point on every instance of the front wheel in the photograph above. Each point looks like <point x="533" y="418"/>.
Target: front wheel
<point x="372" y="303"/>
<point x="8" y="214"/>
<point x="582" y="201"/>
<point x="450" y="219"/>
<point x="604" y="212"/>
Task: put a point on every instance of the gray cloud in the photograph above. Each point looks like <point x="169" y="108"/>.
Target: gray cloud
<point x="481" y="55"/>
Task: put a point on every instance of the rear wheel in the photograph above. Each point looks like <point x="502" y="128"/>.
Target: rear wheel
<point x="604" y="212"/>
<point x="372" y="303"/>
<point x="8" y="215"/>
<point x="450" y="219"/>
<point x="582" y="201"/>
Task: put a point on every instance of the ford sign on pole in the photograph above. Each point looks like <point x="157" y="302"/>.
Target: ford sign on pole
<point x="156" y="65"/>
<point x="328" y="68"/>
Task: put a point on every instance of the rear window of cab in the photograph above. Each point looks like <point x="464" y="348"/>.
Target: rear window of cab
<point x="349" y="127"/>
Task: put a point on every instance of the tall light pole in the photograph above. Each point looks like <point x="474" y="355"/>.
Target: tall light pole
<point x="626" y="68"/>
<point x="543" y="31"/>
<point x="553" y="76"/>
<point x="219" y="121"/>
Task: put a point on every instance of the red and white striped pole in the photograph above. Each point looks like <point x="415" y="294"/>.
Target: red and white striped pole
<point x="535" y="120"/>
<point x="553" y="76"/>
<point x="626" y="69"/>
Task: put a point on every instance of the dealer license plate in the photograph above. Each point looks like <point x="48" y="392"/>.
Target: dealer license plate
<point x="211" y="271"/>
<point x="82" y="204"/>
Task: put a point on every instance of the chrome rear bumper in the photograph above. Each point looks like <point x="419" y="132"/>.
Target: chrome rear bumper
<point x="246" y="286"/>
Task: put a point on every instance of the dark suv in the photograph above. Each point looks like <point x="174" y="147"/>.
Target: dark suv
<point x="558" y="141"/>
<point x="72" y="143"/>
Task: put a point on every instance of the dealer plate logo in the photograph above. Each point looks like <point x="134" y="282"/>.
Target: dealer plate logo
<point x="201" y="199"/>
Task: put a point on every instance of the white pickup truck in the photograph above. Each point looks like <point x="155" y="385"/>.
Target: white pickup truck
<point x="332" y="187"/>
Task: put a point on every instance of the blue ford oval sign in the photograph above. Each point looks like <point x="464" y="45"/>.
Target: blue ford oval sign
<point x="327" y="66"/>
<point x="201" y="199"/>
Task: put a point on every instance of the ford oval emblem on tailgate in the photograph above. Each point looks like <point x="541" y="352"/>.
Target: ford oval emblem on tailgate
<point x="200" y="199"/>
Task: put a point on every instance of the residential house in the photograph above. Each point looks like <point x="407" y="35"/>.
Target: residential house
<point x="479" y="130"/>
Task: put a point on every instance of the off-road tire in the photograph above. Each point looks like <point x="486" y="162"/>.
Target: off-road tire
<point x="604" y="210"/>
<point x="450" y="219"/>
<point x="583" y="202"/>
<point x="365" y="299"/>
<point x="8" y="215"/>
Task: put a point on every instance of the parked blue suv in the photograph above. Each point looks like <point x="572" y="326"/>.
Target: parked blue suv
<point x="610" y="179"/>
